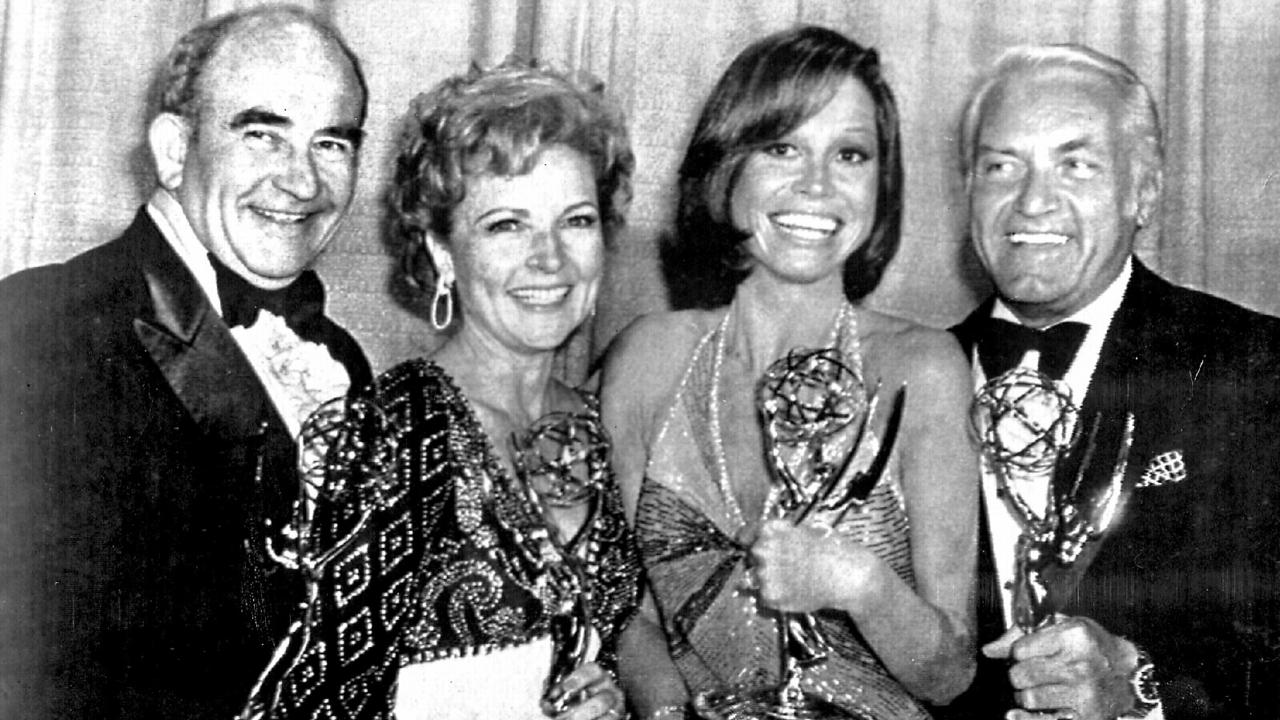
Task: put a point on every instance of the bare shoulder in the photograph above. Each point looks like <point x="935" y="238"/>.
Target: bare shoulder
<point x="900" y="350"/>
<point x="648" y="357"/>
<point x="938" y="456"/>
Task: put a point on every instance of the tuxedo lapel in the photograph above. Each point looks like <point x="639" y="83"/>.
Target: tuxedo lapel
<point x="1144" y="368"/>
<point x="1117" y="389"/>
<point x="238" y="429"/>
<point x="193" y="348"/>
<point x="1110" y="387"/>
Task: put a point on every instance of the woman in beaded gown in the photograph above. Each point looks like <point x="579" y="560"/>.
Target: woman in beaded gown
<point x="465" y="559"/>
<point x="789" y="211"/>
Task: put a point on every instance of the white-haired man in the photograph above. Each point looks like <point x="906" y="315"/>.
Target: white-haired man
<point x="1174" y="617"/>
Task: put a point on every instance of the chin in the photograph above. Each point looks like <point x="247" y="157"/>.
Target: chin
<point x="1029" y="294"/>
<point x="547" y="341"/>
<point x="278" y="268"/>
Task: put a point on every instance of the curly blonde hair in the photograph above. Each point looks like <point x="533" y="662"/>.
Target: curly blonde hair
<point x="498" y="121"/>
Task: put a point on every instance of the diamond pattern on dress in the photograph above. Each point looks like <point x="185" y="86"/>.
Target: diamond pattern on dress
<point x="395" y="544"/>
<point x="397" y="601"/>
<point x="324" y="712"/>
<point x="355" y="695"/>
<point x="307" y="674"/>
<point x="355" y="636"/>
<point x="352" y="574"/>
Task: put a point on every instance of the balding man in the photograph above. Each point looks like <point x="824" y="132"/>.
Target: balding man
<point x="151" y="390"/>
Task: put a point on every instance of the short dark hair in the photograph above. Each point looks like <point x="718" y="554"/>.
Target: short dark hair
<point x="179" y="82"/>
<point x="1140" y="121"/>
<point x="771" y="88"/>
<point x="497" y="121"/>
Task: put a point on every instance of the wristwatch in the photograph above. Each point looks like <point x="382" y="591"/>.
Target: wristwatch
<point x="1146" y="691"/>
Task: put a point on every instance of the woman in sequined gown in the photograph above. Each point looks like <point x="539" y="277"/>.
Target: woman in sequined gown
<point x="789" y="212"/>
<point x="443" y="579"/>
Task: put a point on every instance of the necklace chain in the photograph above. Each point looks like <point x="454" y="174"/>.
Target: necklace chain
<point x="843" y="330"/>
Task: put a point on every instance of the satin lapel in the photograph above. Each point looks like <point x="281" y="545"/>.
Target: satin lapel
<point x="1135" y="364"/>
<point x="1121" y="382"/>
<point x="1109" y="388"/>
<point x="193" y="348"/>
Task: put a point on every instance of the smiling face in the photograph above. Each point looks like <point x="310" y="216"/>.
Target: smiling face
<point x="809" y="199"/>
<point x="527" y="253"/>
<point x="268" y="171"/>
<point x="1055" y="192"/>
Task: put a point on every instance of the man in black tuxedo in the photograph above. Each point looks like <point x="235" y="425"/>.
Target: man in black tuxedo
<point x="1176" y="616"/>
<point x="151" y="390"/>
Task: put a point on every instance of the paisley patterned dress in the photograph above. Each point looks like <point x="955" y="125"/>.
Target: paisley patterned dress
<point x="689" y="525"/>
<point x="425" y="554"/>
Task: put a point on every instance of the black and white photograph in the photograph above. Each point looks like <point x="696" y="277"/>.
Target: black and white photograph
<point x="640" y="359"/>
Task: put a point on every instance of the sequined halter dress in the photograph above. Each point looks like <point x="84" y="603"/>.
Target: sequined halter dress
<point x="687" y="521"/>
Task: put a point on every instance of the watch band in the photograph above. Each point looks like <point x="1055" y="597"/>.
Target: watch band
<point x="1146" y="691"/>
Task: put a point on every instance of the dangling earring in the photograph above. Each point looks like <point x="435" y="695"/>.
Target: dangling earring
<point x="442" y="305"/>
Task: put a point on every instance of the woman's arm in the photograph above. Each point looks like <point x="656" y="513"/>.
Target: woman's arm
<point x="624" y="378"/>
<point x="633" y="381"/>
<point x="648" y="676"/>
<point x="924" y="636"/>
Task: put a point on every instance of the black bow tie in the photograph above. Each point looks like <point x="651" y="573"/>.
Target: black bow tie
<point x="300" y="303"/>
<point x="1002" y="345"/>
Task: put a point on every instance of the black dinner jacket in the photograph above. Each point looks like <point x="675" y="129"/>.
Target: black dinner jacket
<point x="1189" y="569"/>
<point x="142" y="470"/>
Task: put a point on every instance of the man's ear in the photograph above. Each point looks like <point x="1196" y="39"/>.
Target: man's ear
<point x="169" y="136"/>
<point x="1146" y="197"/>
<point x="441" y="258"/>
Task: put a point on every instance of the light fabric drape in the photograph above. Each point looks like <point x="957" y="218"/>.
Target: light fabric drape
<point x="74" y="86"/>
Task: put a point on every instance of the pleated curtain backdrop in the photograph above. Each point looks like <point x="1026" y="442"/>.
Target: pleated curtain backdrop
<point x="74" y="79"/>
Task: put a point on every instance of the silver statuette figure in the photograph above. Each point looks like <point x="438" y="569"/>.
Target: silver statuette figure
<point x="562" y="461"/>
<point x="1029" y="428"/>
